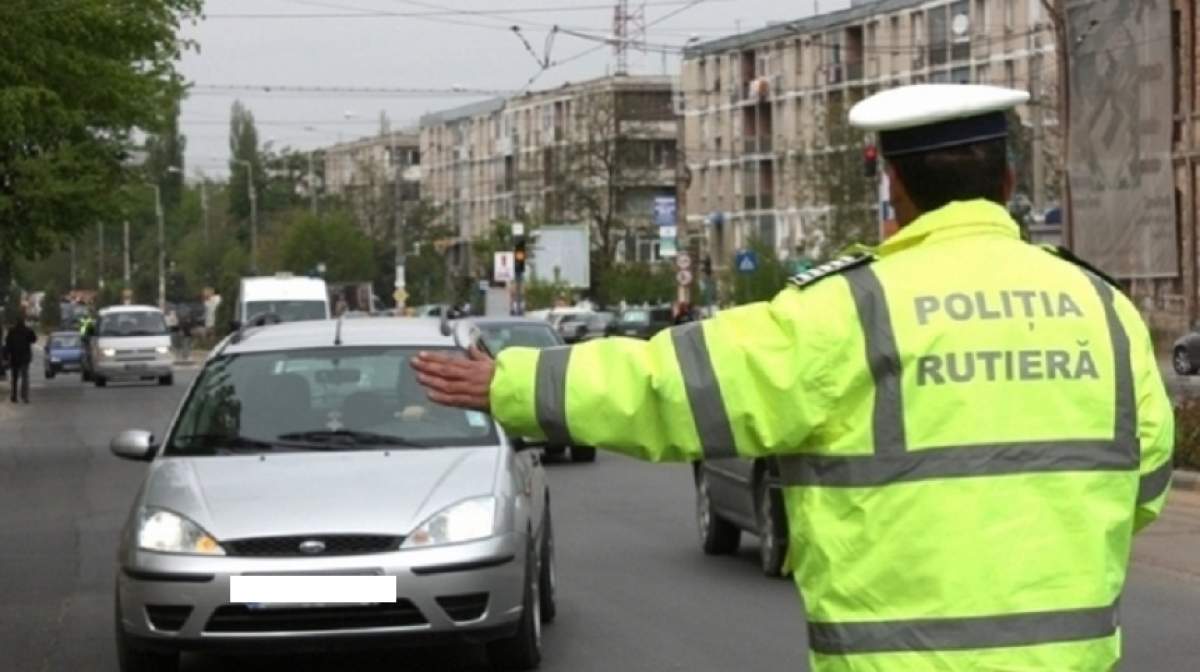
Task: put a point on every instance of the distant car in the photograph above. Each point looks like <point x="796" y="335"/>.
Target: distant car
<point x="499" y="333"/>
<point x="641" y="322"/>
<point x="1185" y="354"/>
<point x="309" y="449"/>
<point x="128" y="343"/>
<point x="63" y="352"/>
<point x="735" y="495"/>
<point x="597" y="326"/>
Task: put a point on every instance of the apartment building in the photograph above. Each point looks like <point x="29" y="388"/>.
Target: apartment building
<point x="375" y="175"/>
<point x="759" y="106"/>
<point x="531" y="156"/>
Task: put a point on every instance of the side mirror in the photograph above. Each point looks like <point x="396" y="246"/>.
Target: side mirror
<point x="134" y="444"/>
<point x="235" y="326"/>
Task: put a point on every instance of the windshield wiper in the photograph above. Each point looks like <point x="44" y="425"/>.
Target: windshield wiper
<point x="351" y="437"/>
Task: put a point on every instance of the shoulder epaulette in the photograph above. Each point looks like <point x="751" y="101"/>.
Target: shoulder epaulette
<point x="840" y="265"/>
<point x="1067" y="255"/>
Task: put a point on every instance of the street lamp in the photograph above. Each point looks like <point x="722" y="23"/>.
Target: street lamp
<point x="253" y="213"/>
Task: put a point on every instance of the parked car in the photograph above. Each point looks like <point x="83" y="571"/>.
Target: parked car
<point x="735" y="495"/>
<point x="63" y="352"/>
<point x="641" y="322"/>
<point x="499" y="333"/>
<point x="128" y="343"/>
<point x="580" y="327"/>
<point x="1185" y="354"/>
<point x="309" y="449"/>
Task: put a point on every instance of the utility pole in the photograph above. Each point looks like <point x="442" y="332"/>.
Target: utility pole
<point x="74" y="270"/>
<point x="162" y="254"/>
<point x="1057" y="10"/>
<point x="398" y="225"/>
<point x="100" y="256"/>
<point x="312" y="185"/>
<point x="125" y="252"/>
<point x="204" y="205"/>
<point x="253" y="213"/>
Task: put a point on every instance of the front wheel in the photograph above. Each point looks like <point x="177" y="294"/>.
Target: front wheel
<point x="50" y="373"/>
<point x="548" y="572"/>
<point x="772" y="530"/>
<point x="131" y="659"/>
<point x="100" y="381"/>
<point x="1183" y="362"/>
<point x="167" y="380"/>
<point x="523" y="651"/>
<point x="717" y="535"/>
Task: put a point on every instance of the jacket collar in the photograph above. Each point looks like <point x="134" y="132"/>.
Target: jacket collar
<point x="979" y="217"/>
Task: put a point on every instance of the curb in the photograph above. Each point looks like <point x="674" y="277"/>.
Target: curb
<point x="1185" y="480"/>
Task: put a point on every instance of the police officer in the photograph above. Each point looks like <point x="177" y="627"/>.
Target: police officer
<point x="969" y="434"/>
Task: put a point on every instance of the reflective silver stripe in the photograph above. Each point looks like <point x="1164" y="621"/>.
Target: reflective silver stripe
<point x="1125" y="422"/>
<point x="1154" y="484"/>
<point x="951" y="634"/>
<point x="551" y="395"/>
<point x="956" y="462"/>
<point x="887" y="420"/>
<point x="703" y="391"/>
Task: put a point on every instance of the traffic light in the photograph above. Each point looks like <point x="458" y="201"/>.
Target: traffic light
<point x="519" y="257"/>
<point x="870" y="161"/>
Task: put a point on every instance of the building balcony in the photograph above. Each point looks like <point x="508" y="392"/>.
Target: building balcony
<point x="758" y="201"/>
<point x="759" y="145"/>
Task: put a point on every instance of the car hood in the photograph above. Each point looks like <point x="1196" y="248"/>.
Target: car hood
<point x="362" y="492"/>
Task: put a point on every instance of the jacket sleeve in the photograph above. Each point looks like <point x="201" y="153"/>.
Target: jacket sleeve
<point x="1156" y="420"/>
<point x="740" y="384"/>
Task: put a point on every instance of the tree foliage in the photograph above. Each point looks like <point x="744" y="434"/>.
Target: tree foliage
<point x="334" y="241"/>
<point x="243" y="149"/>
<point x="78" y="79"/>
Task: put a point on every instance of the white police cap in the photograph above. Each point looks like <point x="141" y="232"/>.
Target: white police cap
<point x="924" y="117"/>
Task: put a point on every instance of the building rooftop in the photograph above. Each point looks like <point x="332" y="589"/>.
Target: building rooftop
<point x="463" y="112"/>
<point x="791" y="29"/>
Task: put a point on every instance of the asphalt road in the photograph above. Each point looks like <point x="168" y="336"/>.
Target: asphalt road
<point x="636" y="594"/>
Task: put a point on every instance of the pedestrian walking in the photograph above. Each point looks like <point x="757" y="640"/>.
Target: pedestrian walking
<point x="18" y="347"/>
<point x="969" y="429"/>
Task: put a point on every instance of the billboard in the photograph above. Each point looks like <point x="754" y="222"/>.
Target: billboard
<point x="1119" y="160"/>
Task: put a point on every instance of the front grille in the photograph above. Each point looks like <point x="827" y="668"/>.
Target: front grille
<point x="341" y="544"/>
<point x="242" y="618"/>
<point x="467" y="607"/>
<point x="167" y="617"/>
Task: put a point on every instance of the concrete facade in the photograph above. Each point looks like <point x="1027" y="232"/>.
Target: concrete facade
<point x="755" y="104"/>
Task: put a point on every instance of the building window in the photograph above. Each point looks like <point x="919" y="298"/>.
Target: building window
<point x="1010" y="74"/>
<point x="1010" y="14"/>
<point x="798" y="60"/>
<point x="939" y="34"/>
<point x="703" y="68"/>
<point x="916" y="36"/>
<point x="983" y="74"/>
<point x="892" y="39"/>
<point x="979" y="18"/>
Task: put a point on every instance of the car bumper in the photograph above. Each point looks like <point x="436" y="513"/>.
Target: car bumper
<point x="72" y="365"/>
<point x="116" y="369"/>
<point x="195" y="592"/>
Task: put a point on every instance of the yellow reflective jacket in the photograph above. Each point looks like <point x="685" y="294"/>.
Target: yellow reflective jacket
<point x="969" y="428"/>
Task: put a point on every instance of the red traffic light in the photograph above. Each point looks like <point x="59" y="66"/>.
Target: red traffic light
<point x="870" y="153"/>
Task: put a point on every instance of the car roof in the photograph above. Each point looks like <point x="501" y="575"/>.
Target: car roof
<point x="510" y="322"/>
<point x="382" y="331"/>
<point x="111" y="310"/>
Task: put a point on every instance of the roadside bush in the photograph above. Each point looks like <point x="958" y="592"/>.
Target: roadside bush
<point x="1187" y="434"/>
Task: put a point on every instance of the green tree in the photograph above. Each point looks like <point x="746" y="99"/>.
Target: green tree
<point x="243" y="148"/>
<point x="764" y="282"/>
<point x="334" y="241"/>
<point x="78" y="81"/>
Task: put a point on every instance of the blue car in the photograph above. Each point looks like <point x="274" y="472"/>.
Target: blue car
<point x="64" y="352"/>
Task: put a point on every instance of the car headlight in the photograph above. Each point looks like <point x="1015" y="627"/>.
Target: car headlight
<point x="465" y="521"/>
<point x="168" y="532"/>
<point x="109" y="352"/>
<point x="162" y="349"/>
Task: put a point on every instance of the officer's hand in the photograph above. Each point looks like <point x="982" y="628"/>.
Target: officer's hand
<point x="454" y="381"/>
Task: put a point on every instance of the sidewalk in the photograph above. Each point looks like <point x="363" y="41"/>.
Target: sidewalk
<point x="1172" y="543"/>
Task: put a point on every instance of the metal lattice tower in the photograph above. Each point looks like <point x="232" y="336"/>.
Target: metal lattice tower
<point x="629" y="30"/>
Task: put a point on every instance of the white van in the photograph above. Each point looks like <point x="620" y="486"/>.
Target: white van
<point x="129" y="343"/>
<point x="284" y="296"/>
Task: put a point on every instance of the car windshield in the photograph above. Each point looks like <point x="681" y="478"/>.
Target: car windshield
<point x="64" y="341"/>
<point x="287" y="311"/>
<point x="497" y="337"/>
<point x="636" y="317"/>
<point x="321" y="399"/>
<point x="140" y="323"/>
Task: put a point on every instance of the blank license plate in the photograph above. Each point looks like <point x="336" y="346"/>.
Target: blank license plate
<point x="264" y="592"/>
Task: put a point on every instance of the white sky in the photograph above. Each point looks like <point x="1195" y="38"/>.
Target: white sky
<point x="439" y="51"/>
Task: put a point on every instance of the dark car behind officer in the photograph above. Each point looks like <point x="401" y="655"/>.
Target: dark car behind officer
<point x="970" y="429"/>
<point x="18" y="346"/>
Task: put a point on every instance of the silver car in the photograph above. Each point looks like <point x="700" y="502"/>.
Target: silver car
<point x="307" y="451"/>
